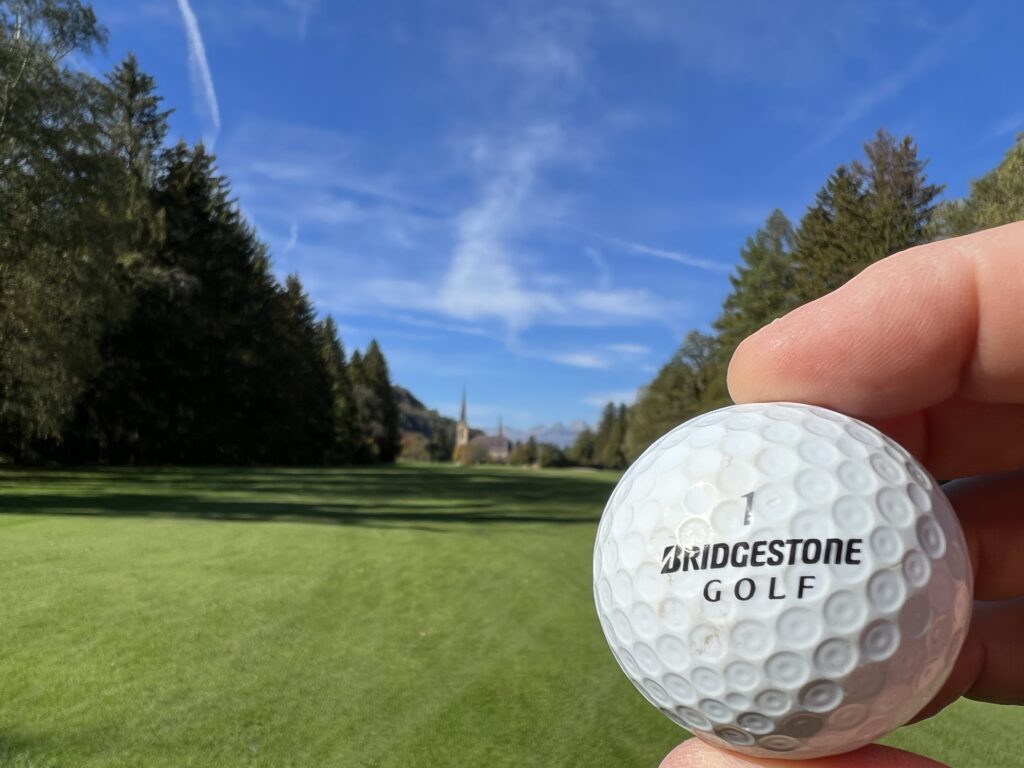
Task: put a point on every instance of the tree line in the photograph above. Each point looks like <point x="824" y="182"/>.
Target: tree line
<point x="140" y="320"/>
<point x="865" y="211"/>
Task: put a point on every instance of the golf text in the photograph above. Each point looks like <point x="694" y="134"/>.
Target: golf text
<point x="758" y="554"/>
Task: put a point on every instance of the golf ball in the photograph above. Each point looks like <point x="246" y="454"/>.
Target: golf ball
<point x="782" y="580"/>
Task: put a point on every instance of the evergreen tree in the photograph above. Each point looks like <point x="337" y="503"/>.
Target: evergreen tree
<point x="762" y="290"/>
<point x="134" y="129"/>
<point x="304" y="397"/>
<point x="864" y="213"/>
<point x="609" y="442"/>
<point x="385" y="422"/>
<point x="996" y="198"/>
<point x="676" y="394"/>
<point x="531" y="450"/>
<point x="441" y="445"/>
<point x="550" y="455"/>
<point x="582" y="451"/>
<point x="343" y="445"/>
<point x="523" y="453"/>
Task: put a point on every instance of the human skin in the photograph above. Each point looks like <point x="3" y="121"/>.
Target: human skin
<point x="927" y="345"/>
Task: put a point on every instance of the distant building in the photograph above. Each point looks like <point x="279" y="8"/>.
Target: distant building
<point x="471" y="447"/>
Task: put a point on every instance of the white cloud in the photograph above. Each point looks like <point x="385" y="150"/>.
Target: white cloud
<point x="600" y="399"/>
<point x="483" y="279"/>
<point x="634" y="350"/>
<point x="199" y="71"/>
<point x="589" y="360"/>
<point x="603" y="358"/>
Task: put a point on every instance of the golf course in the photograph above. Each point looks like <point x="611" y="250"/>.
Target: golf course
<point x="383" y="616"/>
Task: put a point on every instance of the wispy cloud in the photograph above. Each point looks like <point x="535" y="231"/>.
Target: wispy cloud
<point x="604" y="357"/>
<point x="293" y="239"/>
<point x="483" y="279"/>
<point x="630" y="349"/>
<point x="663" y="253"/>
<point x="588" y="360"/>
<point x="1008" y="125"/>
<point x="604" y="272"/>
<point x="955" y="35"/>
<point x="599" y="399"/>
<point x="303" y="10"/>
<point x="199" y="71"/>
<point x="421" y="322"/>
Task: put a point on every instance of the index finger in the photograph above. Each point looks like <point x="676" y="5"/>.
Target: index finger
<point x="926" y="342"/>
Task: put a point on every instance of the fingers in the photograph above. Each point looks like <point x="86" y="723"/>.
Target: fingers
<point x="989" y="509"/>
<point x="908" y="333"/>
<point x="961" y="437"/>
<point x="989" y="667"/>
<point x="695" y="753"/>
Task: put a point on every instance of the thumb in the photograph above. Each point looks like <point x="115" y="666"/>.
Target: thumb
<point x="694" y="753"/>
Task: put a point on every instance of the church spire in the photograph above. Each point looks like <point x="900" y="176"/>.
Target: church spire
<point x="501" y="427"/>
<point x="462" y="414"/>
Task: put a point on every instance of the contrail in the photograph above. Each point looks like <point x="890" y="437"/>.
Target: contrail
<point x="199" y="69"/>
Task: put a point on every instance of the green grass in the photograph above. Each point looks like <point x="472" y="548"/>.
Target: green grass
<point x="372" y="617"/>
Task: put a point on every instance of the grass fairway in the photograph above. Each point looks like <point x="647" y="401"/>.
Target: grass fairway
<point x="404" y="616"/>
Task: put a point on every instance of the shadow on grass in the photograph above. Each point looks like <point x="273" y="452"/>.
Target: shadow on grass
<point x="425" y="497"/>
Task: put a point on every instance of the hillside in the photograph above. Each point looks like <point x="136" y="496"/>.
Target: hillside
<point x="415" y="417"/>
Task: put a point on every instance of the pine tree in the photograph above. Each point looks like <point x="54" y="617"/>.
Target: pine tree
<point x="305" y="393"/>
<point x="762" y="290"/>
<point x="676" y="394"/>
<point x="367" y="427"/>
<point x="134" y="129"/>
<point x="523" y="453"/>
<point x="865" y="212"/>
<point x="996" y="198"/>
<point x="386" y="432"/>
<point x="582" y="451"/>
<point x="609" y="442"/>
<point x="343" y="446"/>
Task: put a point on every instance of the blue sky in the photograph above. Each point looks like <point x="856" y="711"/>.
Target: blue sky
<point x="537" y="200"/>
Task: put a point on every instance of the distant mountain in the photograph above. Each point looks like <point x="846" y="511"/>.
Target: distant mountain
<point x="415" y="417"/>
<point x="558" y="433"/>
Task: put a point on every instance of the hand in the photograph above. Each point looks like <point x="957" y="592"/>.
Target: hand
<point x="695" y="753"/>
<point x="928" y="345"/>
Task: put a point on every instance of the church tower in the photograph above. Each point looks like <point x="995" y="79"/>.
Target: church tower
<point x="461" y="430"/>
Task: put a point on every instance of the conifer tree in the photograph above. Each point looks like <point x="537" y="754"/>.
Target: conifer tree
<point x="386" y="432"/>
<point x="996" y="198"/>
<point x="763" y="289"/>
<point x="676" y="394"/>
<point x="582" y="451"/>
<point x="343" y="445"/>
<point x="865" y="212"/>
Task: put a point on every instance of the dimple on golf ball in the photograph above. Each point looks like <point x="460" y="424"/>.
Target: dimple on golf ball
<point x="782" y="580"/>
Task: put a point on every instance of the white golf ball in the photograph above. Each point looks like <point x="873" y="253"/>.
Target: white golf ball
<point x="782" y="580"/>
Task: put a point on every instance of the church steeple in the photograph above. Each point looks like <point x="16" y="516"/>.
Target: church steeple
<point x="461" y="431"/>
<point x="501" y="428"/>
